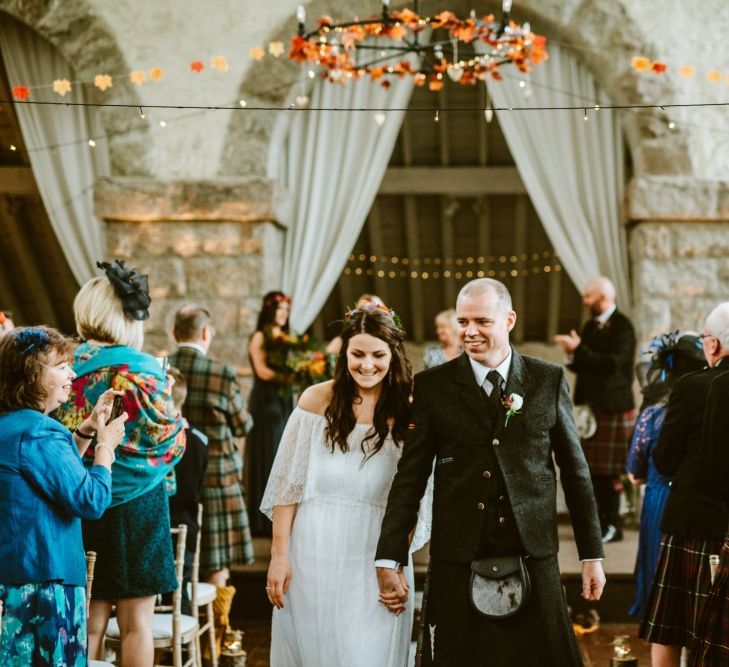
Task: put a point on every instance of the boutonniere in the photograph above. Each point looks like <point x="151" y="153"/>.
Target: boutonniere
<point x="513" y="404"/>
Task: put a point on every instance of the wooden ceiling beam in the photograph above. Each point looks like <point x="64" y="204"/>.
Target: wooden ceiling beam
<point x="18" y="182"/>
<point x="453" y="181"/>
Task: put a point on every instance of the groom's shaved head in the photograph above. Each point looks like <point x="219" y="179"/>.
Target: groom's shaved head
<point x="482" y="286"/>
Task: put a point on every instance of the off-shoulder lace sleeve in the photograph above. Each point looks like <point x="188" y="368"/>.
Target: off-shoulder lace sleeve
<point x="425" y="518"/>
<point x="287" y="481"/>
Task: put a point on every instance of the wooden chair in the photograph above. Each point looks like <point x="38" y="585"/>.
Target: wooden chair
<point x="90" y="565"/>
<point x="171" y="629"/>
<point x="203" y="595"/>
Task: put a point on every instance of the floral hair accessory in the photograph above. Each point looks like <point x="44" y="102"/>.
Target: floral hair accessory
<point x="366" y="305"/>
<point x="131" y="287"/>
<point x="3" y="317"/>
<point x="276" y="299"/>
<point x="664" y="348"/>
<point x="31" y="339"/>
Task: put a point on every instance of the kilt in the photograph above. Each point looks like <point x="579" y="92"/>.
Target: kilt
<point x="226" y="536"/>
<point x="680" y="588"/>
<point x="606" y="451"/>
<point x="539" y="635"/>
<point x="711" y="647"/>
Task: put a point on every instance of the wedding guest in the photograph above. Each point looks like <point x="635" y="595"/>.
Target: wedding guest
<point x="335" y="344"/>
<point x="45" y="491"/>
<point x="326" y="496"/>
<point x="270" y="402"/>
<point x="189" y="478"/>
<point x="691" y="533"/>
<point x="446" y="329"/>
<point x="602" y="357"/>
<point x="132" y="539"/>
<point x="672" y="356"/>
<point x="214" y="404"/>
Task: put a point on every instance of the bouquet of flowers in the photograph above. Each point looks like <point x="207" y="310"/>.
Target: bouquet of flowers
<point x="308" y="366"/>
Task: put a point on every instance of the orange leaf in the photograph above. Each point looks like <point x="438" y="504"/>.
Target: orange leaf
<point x="659" y="67"/>
<point x="324" y="21"/>
<point x="435" y="84"/>
<point x="377" y="72"/>
<point x="407" y="16"/>
<point x="640" y="63"/>
<point x="686" y="71"/>
<point x="444" y="20"/>
<point x="714" y="76"/>
<point x="197" y="66"/>
<point x="396" y="32"/>
<point x="21" y="93"/>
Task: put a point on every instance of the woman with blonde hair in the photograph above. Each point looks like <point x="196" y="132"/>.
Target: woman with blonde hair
<point x="135" y="559"/>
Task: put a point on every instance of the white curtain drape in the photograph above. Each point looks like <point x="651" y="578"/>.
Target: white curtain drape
<point x="573" y="170"/>
<point x="66" y="174"/>
<point x="332" y="163"/>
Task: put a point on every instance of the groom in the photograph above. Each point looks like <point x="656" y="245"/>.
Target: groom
<point x="494" y="493"/>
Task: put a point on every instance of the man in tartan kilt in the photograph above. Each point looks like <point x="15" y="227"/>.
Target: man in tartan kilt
<point x="215" y="406"/>
<point x="602" y="356"/>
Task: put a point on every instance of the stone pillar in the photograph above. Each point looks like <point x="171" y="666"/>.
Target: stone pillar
<point x="216" y="243"/>
<point x="679" y="248"/>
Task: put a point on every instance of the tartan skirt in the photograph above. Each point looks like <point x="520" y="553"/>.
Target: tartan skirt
<point x="711" y="648"/>
<point x="226" y="535"/>
<point x="679" y="592"/>
<point x="606" y="451"/>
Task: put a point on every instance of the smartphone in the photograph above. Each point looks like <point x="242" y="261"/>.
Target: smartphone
<point x="117" y="408"/>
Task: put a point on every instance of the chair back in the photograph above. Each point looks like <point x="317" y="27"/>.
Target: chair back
<point x="176" y="607"/>
<point x="90" y="564"/>
<point x="195" y="576"/>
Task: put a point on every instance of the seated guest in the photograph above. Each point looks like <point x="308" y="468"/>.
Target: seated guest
<point x="45" y="491"/>
<point x="690" y="532"/>
<point x="446" y="329"/>
<point x="135" y="558"/>
<point x="190" y="477"/>
<point x="672" y="356"/>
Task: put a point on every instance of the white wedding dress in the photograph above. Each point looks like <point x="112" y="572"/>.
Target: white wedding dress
<point x="331" y="615"/>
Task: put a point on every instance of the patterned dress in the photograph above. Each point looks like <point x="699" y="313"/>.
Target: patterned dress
<point x="640" y="465"/>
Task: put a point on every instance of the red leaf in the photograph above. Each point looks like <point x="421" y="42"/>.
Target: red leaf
<point x="197" y="66"/>
<point x="21" y="93"/>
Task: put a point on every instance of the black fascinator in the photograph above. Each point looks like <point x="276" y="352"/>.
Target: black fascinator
<point x="130" y="286"/>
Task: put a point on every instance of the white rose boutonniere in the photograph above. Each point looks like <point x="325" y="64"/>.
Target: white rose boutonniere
<point x="513" y="404"/>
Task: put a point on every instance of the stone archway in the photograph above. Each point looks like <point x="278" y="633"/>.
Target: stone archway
<point x="84" y="39"/>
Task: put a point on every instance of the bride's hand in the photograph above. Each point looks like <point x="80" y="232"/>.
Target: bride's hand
<point x="279" y="578"/>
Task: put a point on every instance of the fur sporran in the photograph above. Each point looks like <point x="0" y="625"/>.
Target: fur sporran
<point x="499" y="586"/>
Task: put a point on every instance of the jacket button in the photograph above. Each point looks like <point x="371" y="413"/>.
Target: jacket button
<point x="502" y="520"/>
<point x="481" y="506"/>
<point x="502" y="498"/>
<point x="495" y="441"/>
<point x="486" y="474"/>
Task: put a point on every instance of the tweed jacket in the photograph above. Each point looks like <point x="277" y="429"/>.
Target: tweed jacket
<point x="214" y="405"/>
<point x="677" y="456"/>
<point x="604" y="363"/>
<point x="451" y="426"/>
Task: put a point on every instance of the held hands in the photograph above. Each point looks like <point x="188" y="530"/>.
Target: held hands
<point x="568" y="342"/>
<point x="279" y="578"/>
<point x="393" y="589"/>
<point x="593" y="580"/>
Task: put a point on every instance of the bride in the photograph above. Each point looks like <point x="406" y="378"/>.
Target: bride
<point x="327" y="495"/>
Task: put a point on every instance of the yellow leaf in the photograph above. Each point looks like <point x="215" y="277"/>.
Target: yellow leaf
<point x="640" y="63"/>
<point x="257" y="53"/>
<point x="276" y="49"/>
<point x="714" y="76"/>
<point x="686" y="71"/>
<point x="156" y="73"/>
<point x="102" y="81"/>
<point x="137" y="77"/>
<point x="220" y="63"/>
<point x="61" y="86"/>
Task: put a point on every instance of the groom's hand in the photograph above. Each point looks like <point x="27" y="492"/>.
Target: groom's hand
<point x="593" y="579"/>
<point x="393" y="589"/>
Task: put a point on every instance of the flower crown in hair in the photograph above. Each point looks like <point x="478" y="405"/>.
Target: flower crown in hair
<point x="276" y="299"/>
<point x="368" y="306"/>
<point x="31" y="339"/>
<point x="131" y="287"/>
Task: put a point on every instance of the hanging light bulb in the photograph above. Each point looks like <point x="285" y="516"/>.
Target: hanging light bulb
<point x="506" y="6"/>
<point x="92" y="143"/>
<point x="243" y="103"/>
<point x="163" y="123"/>
<point x="488" y="114"/>
<point x="141" y="113"/>
<point x="380" y="118"/>
<point x="13" y="147"/>
<point x="585" y="117"/>
<point x="437" y="117"/>
<point x="302" y="101"/>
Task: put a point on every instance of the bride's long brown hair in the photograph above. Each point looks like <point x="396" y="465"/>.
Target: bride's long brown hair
<point x="392" y="411"/>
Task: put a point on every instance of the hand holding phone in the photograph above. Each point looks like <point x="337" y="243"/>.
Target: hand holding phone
<point x="117" y="407"/>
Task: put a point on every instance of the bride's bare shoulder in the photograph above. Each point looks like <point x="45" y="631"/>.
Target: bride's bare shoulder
<point x="317" y="397"/>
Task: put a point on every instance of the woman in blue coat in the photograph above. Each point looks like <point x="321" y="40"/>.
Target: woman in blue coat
<point x="44" y="492"/>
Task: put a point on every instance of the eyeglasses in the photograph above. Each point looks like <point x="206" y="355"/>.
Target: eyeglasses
<point x="706" y="335"/>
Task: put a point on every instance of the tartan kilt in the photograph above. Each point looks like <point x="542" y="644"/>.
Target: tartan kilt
<point x="711" y="647"/>
<point x="226" y="536"/>
<point x="679" y="592"/>
<point x="606" y="451"/>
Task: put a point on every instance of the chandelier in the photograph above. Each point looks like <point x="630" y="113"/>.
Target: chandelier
<point x="345" y="51"/>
